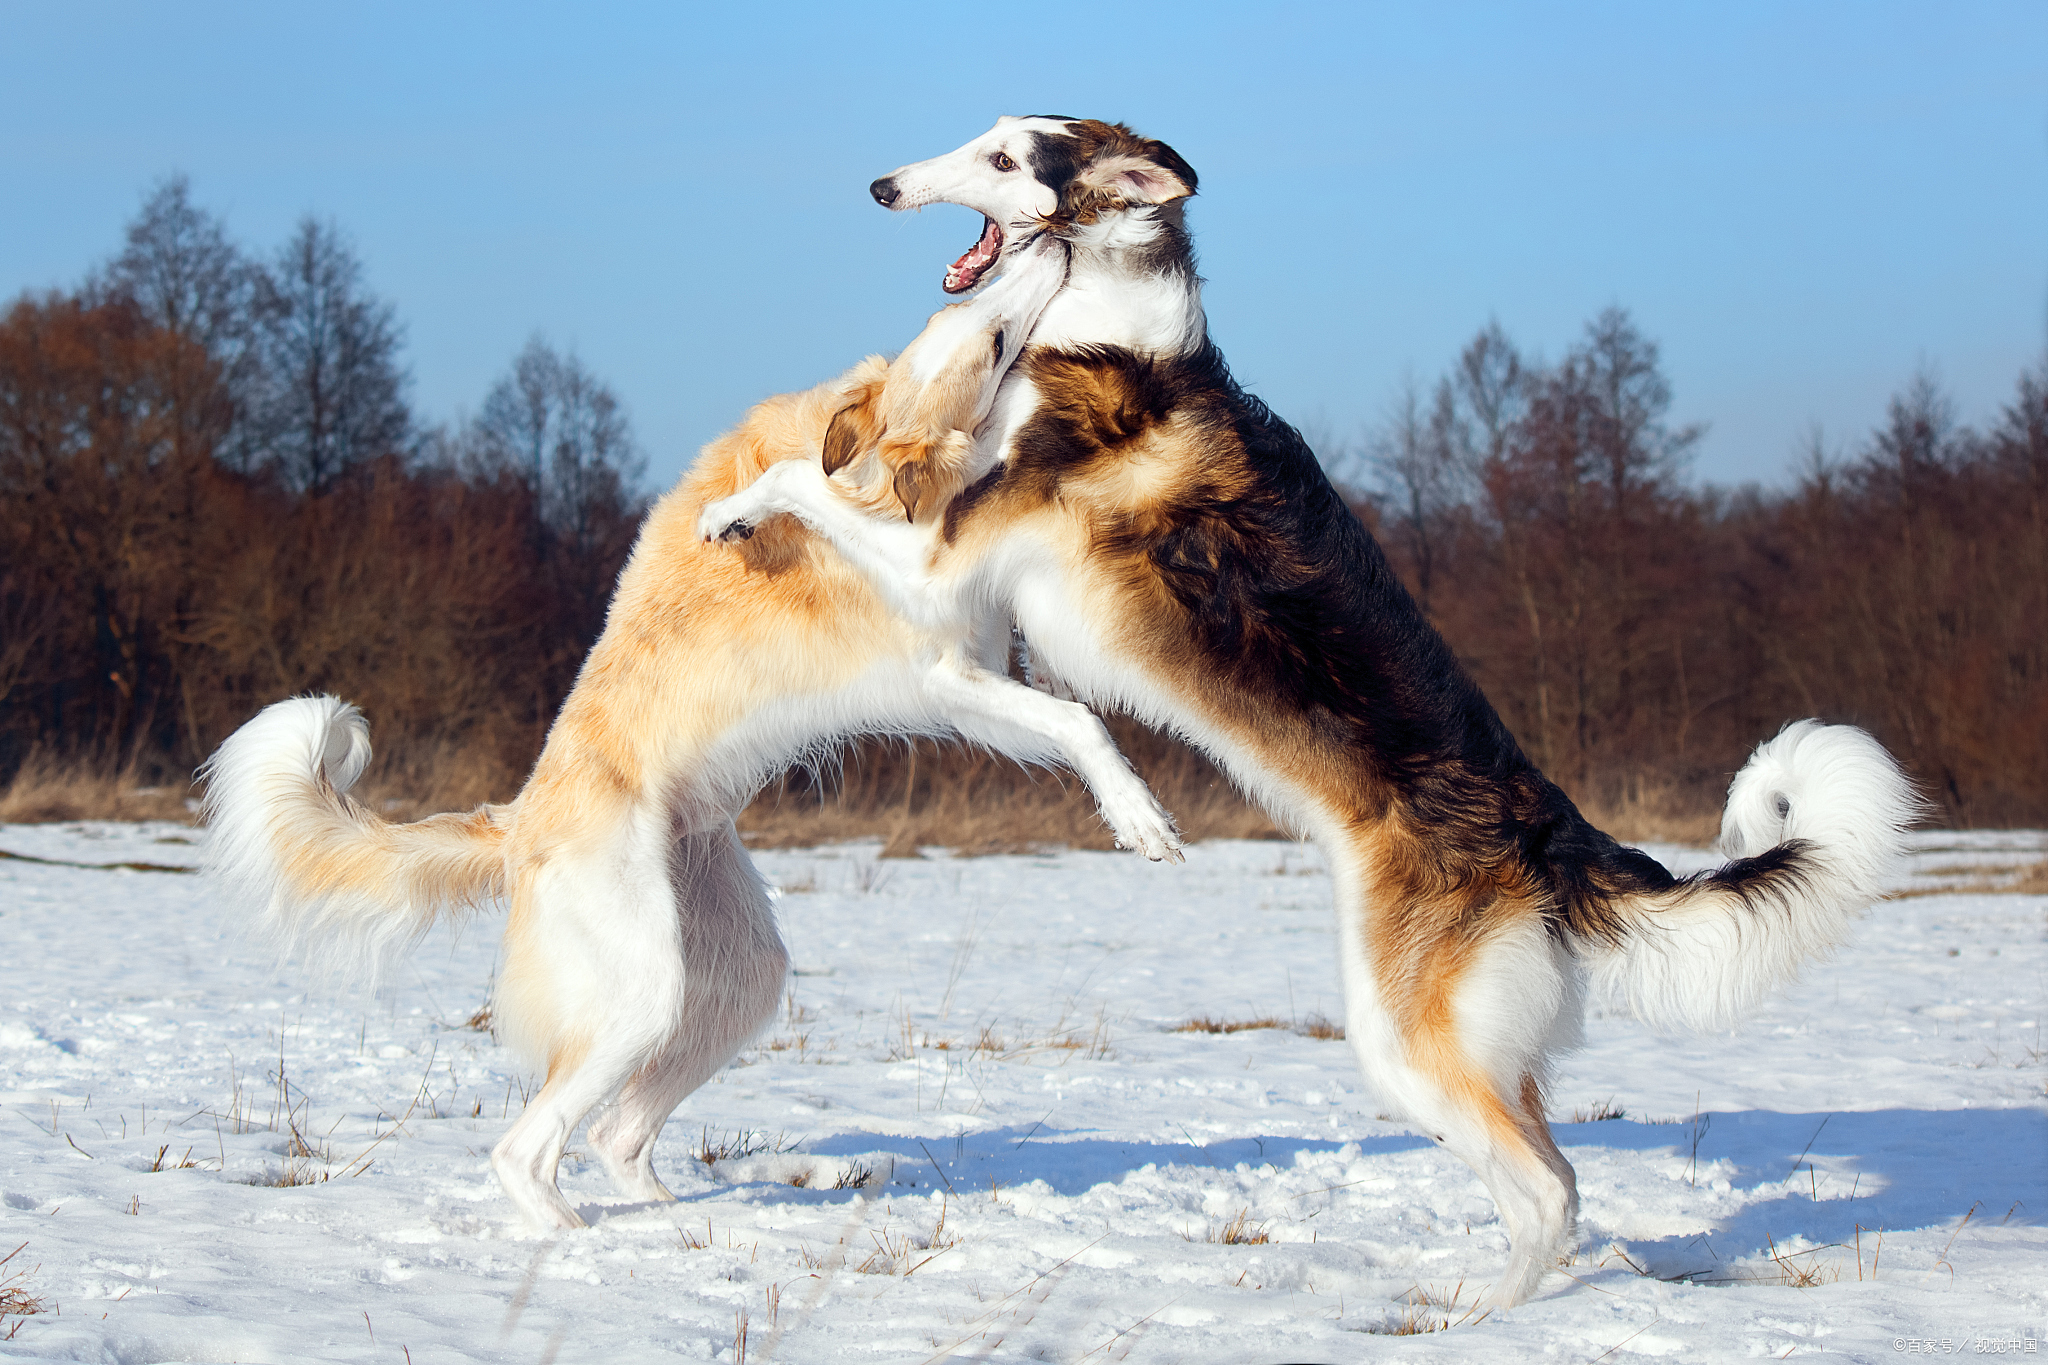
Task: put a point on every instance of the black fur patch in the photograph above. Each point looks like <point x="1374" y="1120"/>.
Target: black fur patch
<point x="1057" y="158"/>
<point x="1289" y="606"/>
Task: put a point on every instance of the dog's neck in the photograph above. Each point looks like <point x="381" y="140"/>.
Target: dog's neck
<point x="1131" y="283"/>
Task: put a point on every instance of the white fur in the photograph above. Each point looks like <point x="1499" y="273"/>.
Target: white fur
<point x="1708" y="958"/>
<point x="1104" y="303"/>
<point x="641" y="951"/>
<point x="281" y="782"/>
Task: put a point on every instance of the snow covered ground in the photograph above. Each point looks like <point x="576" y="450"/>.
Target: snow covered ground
<point x="975" y="1135"/>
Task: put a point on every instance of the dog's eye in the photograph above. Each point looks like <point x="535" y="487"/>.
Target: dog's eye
<point x="1001" y="161"/>
<point x="999" y="348"/>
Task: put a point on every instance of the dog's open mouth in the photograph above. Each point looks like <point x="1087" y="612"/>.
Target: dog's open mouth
<point x="966" y="272"/>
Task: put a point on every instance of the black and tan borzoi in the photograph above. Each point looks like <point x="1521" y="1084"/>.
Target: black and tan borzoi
<point x="1172" y="549"/>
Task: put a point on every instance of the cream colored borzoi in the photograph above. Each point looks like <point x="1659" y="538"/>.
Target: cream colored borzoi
<point x="640" y="951"/>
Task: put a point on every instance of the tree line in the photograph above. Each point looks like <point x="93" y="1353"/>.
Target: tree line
<point x="1639" y="634"/>
<point x="214" y="493"/>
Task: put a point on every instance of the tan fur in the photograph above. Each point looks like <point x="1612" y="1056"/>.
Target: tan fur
<point x="621" y="843"/>
<point x="910" y="426"/>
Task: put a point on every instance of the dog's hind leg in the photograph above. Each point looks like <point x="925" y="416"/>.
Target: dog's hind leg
<point x="526" y="1158"/>
<point x="593" y="983"/>
<point x="734" y="966"/>
<point x="1456" y="1033"/>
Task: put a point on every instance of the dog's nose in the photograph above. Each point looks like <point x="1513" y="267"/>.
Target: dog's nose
<point x="885" y="192"/>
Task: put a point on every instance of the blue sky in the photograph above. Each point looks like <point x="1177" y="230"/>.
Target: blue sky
<point x="1803" y="203"/>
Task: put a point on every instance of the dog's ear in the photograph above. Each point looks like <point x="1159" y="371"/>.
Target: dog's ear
<point x="1138" y="179"/>
<point x="928" y="471"/>
<point x="853" y="429"/>
<point x="909" y="487"/>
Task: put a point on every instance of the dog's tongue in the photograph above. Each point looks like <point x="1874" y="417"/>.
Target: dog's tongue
<point x="963" y="273"/>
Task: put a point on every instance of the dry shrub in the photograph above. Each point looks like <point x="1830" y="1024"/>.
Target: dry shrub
<point x="1659" y="810"/>
<point x="1322" y="1027"/>
<point x="43" y="791"/>
<point x="923" y="793"/>
<point x="2024" y="879"/>
<point x="410" y="782"/>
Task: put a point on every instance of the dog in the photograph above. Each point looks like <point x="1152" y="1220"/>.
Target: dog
<point x="641" y="951"/>
<point x="1172" y="549"/>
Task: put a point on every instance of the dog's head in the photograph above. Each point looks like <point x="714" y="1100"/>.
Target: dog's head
<point x="1032" y="175"/>
<point x="918" y="419"/>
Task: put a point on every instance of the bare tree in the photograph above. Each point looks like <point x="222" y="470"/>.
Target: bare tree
<point x="1920" y="435"/>
<point x="1415" y="457"/>
<point x="183" y="275"/>
<point x="182" y="271"/>
<point x="1479" y="404"/>
<point x="333" y="395"/>
<point x="566" y="433"/>
<point x="1630" y="445"/>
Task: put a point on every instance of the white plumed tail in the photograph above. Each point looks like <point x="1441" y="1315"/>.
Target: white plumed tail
<point x="1812" y="828"/>
<point x="323" y="872"/>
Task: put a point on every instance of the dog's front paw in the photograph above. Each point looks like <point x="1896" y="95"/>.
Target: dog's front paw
<point x="1145" y="828"/>
<point x="725" y="520"/>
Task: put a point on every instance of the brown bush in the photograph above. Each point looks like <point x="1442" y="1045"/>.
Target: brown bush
<point x="925" y="793"/>
<point x="1638" y="635"/>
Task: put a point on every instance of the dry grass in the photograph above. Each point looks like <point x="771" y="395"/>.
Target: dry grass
<point x="1239" y="1231"/>
<point x="1317" y="1026"/>
<point x="913" y="795"/>
<point x="1314" y="1026"/>
<point x="1599" y="1113"/>
<point x="905" y="1255"/>
<point x="854" y="1177"/>
<point x="1088" y="1040"/>
<point x="925" y="794"/>
<point x="43" y="791"/>
<point x="413" y="780"/>
<point x="2019" y="879"/>
<point x="165" y="1162"/>
<point x="15" y="1300"/>
<point x="1425" y="1310"/>
<point x="744" y="1143"/>
<point x="1643" y="810"/>
<point x="1789" y="1269"/>
<point x="1783" y="1269"/>
<point x="402" y="785"/>
<point x="1203" y="1023"/>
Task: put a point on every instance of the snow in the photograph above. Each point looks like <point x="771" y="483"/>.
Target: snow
<point x="989" y="1042"/>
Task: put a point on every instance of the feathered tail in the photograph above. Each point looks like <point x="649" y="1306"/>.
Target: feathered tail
<point x="1812" y="829"/>
<point x="323" y="871"/>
